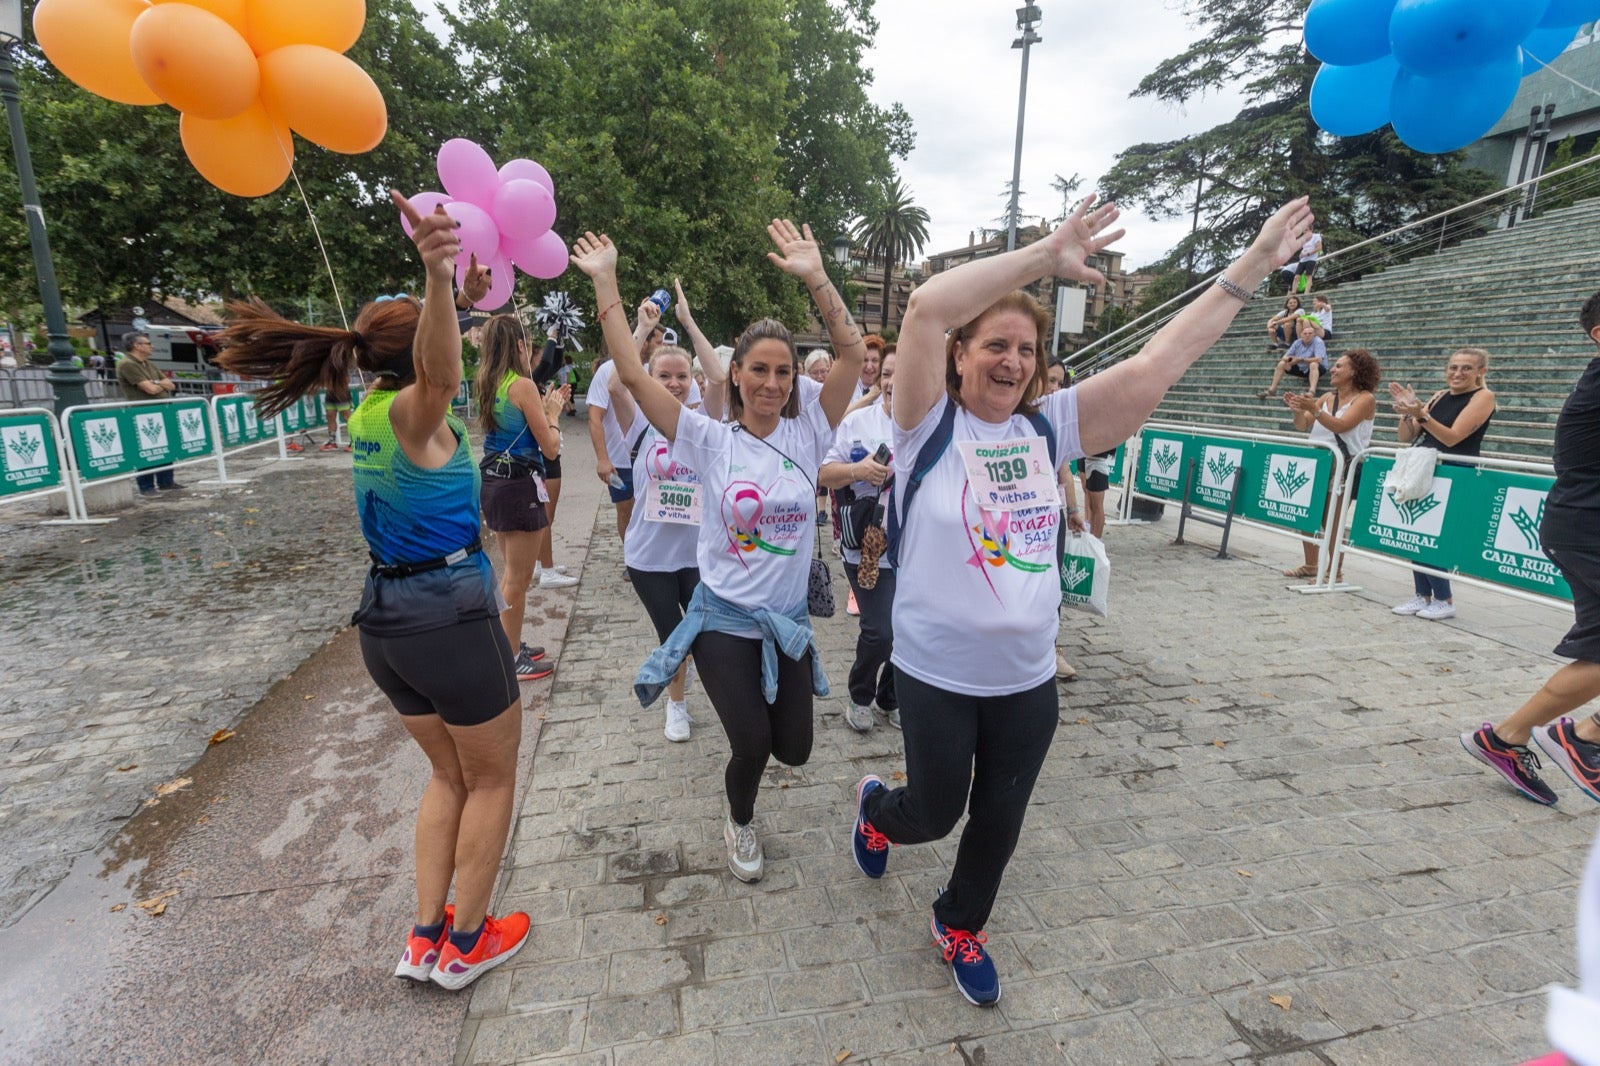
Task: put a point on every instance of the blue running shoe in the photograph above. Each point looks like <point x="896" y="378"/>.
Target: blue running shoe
<point x="970" y="965"/>
<point x="870" y="847"/>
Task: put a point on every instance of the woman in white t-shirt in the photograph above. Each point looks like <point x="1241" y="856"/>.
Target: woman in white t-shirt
<point x="746" y="623"/>
<point x="853" y="472"/>
<point x="977" y="583"/>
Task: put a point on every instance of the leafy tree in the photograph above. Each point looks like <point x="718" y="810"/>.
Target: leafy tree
<point x="1230" y="178"/>
<point x="1065" y="187"/>
<point x="130" y="218"/>
<point x="896" y="229"/>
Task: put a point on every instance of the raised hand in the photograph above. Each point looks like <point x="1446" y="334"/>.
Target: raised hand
<point x="649" y="314"/>
<point x="681" y="308"/>
<point x="1405" y="399"/>
<point x="476" y="284"/>
<point x="555" y="401"/>
<point x="798" y="253"/>
<point x="1283" y="235"/>
<point x="1080" y="235"/>
<point x="434" y="235"/>
<point x="595" y="256"/>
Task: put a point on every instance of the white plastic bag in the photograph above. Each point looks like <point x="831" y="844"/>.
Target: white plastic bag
<point x="1412" y="476"/>
<point x="1085" y="573"/>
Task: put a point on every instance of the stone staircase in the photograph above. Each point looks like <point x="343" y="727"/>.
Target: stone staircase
<point x="1514" y="292"/>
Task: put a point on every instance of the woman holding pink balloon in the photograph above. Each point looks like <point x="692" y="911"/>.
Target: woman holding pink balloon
<point x="430" y="633"/>
<point x="746" y="622"/>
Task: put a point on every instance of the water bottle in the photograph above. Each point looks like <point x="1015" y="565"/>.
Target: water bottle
<point x="858" y="451"/>
<point x="662" y="299"/>
<point x="616" y="482"/>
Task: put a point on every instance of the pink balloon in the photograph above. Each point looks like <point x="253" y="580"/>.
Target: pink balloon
<point x="524" y="209"/>
<point x="502" y="278"/>
<point x="529" y="170"/>
<point x="479" y="235"/>
<point x="467" y="172"/>
<point x="544" y="257"/>
<point x="423" y="203"/>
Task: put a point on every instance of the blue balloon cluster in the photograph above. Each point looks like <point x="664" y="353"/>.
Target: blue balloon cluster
<point x="1442" y="72"/>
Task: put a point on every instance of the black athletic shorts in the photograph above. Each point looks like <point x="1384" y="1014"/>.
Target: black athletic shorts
<point x="463" y="673"/>
<point x="511" y="505"/>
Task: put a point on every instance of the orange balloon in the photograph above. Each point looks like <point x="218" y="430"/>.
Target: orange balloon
<point x="274" y="24"/>
<point x="247" y="155"/>
<point x="229" y="11"/>
<point x="328" y="99"/>
<point x="87" y="40"/>
<point x="195" y="61"/>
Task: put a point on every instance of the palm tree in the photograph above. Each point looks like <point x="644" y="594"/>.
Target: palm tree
<point x="894" y="228"/>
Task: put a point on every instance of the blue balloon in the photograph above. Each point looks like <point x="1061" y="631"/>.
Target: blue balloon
<point x="1450" y="112"/>
<point x="1546" y="44"/>
<point x="1348" y="32"/>
<point x="1349" y="101"/>
<point x="1570" y="13"/>
<point x="1435" y="37"/>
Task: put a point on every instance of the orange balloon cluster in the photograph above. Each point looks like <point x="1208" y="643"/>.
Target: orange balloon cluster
<point x="244" y="73"/>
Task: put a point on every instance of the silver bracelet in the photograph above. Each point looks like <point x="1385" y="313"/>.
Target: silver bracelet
<point x="1238" y="292"/>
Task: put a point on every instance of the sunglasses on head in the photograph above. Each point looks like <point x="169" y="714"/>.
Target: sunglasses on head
<point x="394" y="296"/>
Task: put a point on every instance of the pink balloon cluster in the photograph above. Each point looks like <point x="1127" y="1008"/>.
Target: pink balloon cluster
<point x="505" y="216"/>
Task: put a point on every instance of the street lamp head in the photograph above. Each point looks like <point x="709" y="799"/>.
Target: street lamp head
<point x="1028" y="15"/>
<point x="841" y="250"/>
<point x="10" y="22"/>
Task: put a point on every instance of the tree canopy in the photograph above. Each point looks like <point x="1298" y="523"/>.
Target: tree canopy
<point x="1231" y="177"/>
<point x="679" y="128"/>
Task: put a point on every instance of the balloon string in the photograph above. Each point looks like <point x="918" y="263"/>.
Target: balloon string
<point x="338" y="301"/>
<point x="1563" y="77"/>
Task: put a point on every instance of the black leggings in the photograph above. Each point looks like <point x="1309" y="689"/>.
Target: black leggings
<point x="994" y="745"/>
<point x="730" y="669"/>
<point x="871" y="676"/>
<point x="665" y="593"/>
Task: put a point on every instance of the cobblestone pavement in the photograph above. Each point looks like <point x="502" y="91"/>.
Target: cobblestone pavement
<point x="1256" y="840"/>
<point x="128" y="645"/>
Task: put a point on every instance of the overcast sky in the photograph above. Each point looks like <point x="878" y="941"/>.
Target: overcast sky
<point x="951" y="64"/>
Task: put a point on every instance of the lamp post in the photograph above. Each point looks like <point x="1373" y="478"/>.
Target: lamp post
<point x="65" y="378"/>
<point x="1026" y="17"/>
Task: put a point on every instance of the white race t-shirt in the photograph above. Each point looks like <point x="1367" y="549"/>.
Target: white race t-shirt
<point x="760" y="508"/>
<point x="977" y="592"/>
<point x="619" y="441"/>
<point x="652" y="544"/>
<point x="864" y="429"/>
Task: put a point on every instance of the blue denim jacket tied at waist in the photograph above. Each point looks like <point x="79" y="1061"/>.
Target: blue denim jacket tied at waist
<point x="788" y="633"/>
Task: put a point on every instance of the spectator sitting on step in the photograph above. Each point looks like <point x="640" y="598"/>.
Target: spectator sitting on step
<point x="1322" y="315"/>
<point x="1306" y="357"/>
<point x="1280" y="327"/>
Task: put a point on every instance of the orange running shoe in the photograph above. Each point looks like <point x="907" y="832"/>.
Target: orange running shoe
<point x="416" y="962"/>
<point x="501" y="938"/>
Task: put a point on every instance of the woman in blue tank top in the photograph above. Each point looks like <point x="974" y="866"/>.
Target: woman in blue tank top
<point x="429" y="617"/>
<point x="521" y="434"/>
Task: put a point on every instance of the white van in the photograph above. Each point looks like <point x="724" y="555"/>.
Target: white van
<point x="184" y="350"/>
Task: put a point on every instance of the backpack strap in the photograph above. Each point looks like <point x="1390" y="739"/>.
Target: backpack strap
<point x="932" y="451"/>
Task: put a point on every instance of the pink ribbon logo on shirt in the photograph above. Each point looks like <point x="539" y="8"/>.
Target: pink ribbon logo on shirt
<point x="745" y="508"/>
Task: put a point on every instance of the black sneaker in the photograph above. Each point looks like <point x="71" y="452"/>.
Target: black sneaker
<point x="174" y="487"/>
<point x="970" y="964"/>
<point x="1513" y="762"/>
<point x="529" y="670"/>
<point x="533" y="654"/>
<point x="1577" y="757"/>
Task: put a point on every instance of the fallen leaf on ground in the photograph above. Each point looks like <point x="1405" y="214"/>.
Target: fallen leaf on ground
<point x="115" y="907"/>
<point x="152" y="802"/>
<point x="203" y="819"/>
<point x="1267" y="696"/>
<point x="156" y="905"/>
<point x="308" y="697"/>
<point x="1281" y="1001"/>
<point x="125" y="769"/>
<point x="1190" y="699"/>
<point x="220" y="735"/>
<point x="1082" y="720"/>
<point x="542" y="717"/>
<point x="783" y="784"/>
<point x="661" y="919"/>
<point x="841" y="1056"/>
<point x="1244" y="873"/>
<point x="897" y="776"/>
<point x="219" y="566"/>
<point x="87" y="540"/>
<point x="1219" y="743"/>
<point x="252" y="510"/>
<point x="175" y="785"/>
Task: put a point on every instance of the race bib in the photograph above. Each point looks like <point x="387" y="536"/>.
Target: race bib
<point x="1009" y="475"/>
<point x="677" y="502"/>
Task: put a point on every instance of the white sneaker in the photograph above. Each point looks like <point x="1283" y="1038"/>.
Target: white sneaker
<point x="549" y="579"/>
<point x="1438" y="610"/>
<point x="1413" y="605"/>
<point x="858" y="717"/>
<point x="744" y="851"/>
<point x="678" y="722"/>
<point x="1064" y="670"/>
